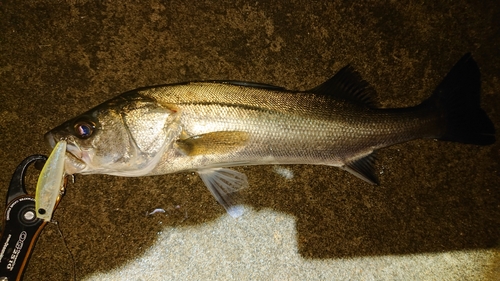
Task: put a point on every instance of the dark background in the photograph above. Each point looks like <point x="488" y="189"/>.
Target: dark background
<point x="60" y="58"/>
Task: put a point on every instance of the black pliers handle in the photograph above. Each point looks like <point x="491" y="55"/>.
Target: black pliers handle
<point x="21" y="226"/>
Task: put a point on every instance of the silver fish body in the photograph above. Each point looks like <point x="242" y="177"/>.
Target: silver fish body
<point x="279" y="127"/>
<point x="209" y="126"/>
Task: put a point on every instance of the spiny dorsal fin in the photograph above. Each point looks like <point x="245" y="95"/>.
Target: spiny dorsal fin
<point x="348" y="85"/>
<point x="251" y="84"/>
<point x="363" y="168"/>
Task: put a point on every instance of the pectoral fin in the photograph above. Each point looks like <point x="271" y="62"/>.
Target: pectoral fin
<point x="213" y="143"/>
<point x="224" y="185"/>
<point x="363" y="168"/>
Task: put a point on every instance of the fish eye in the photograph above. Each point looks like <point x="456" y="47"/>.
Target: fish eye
<point x="84" y="129"/>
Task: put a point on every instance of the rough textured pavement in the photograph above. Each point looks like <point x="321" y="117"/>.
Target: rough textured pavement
<point x="435" y="216"/>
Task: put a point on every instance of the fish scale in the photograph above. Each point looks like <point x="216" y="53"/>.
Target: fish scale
<point x="298" y="135"/>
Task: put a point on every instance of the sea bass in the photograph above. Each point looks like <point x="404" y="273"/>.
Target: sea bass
<point x="209" y="126"/>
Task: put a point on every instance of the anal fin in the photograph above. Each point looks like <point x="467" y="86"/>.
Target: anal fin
<point x="224" y="185"/>
<point x="363" y="168"/>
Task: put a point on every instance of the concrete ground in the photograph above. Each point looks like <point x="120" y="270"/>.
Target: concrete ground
<point x="435" y="216"/>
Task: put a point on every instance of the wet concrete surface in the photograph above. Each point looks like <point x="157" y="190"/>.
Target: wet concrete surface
<point x="60" y="58"/>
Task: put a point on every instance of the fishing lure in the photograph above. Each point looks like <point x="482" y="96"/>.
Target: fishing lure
<point x="50" y="183"/>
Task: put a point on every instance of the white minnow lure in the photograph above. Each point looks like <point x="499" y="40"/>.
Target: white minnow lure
<point x="50" y="182"/>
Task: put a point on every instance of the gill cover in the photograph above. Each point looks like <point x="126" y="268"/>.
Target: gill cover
<point x="151" y="128"/>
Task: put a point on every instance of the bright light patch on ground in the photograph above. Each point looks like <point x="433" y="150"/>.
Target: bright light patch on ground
<point x="284" y="172"/>
<point x="263" y="246"/>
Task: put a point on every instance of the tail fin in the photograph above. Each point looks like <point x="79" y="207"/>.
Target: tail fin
<point x="458" y="98"/>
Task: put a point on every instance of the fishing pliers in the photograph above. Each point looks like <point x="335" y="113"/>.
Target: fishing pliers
<point x="21" y="225"/>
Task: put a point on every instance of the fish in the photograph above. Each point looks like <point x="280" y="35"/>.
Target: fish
<point x="208" y="127"/>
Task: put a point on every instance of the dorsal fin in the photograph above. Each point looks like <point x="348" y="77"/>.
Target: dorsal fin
<point x="251" y="84"/>
<point x="348" y="85"/>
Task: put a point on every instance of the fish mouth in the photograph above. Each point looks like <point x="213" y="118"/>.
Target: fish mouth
<point x="73" y="163"/>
